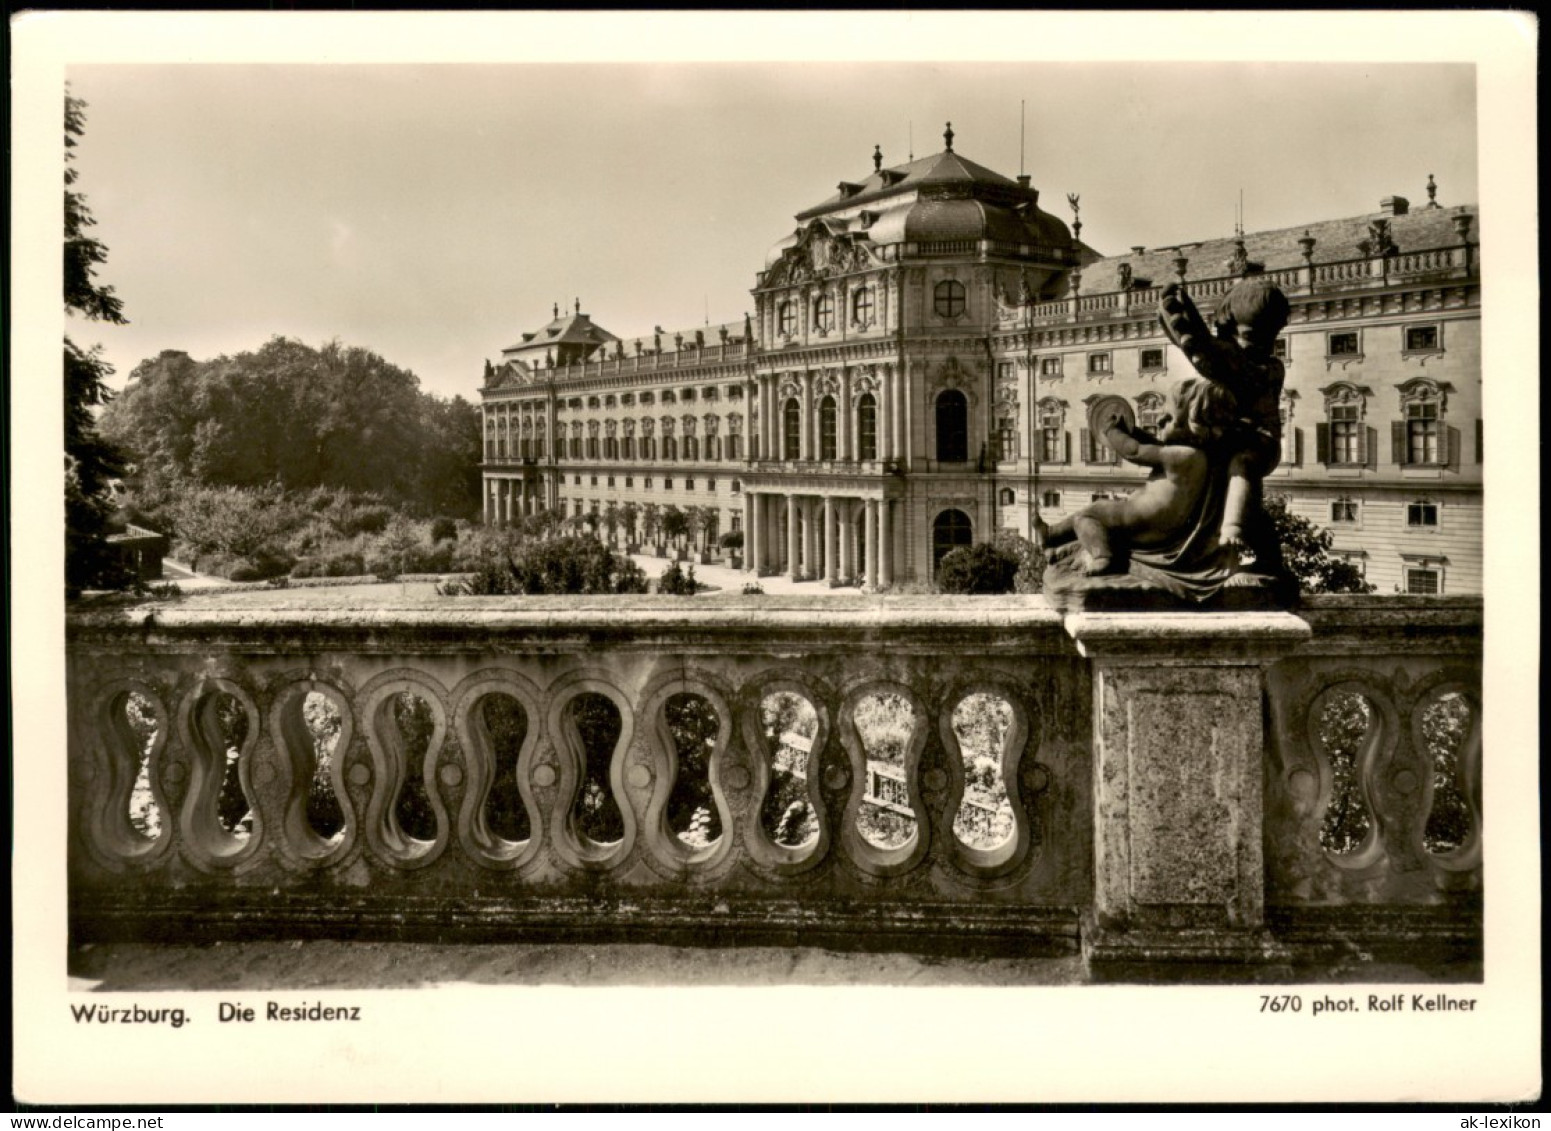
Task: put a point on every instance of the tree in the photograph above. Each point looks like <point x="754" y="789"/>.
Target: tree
<point x="979" y="569"/>
<point x="91" y="462"/>
<point x="675" y="523"/>
<point x="1306" y="553"/>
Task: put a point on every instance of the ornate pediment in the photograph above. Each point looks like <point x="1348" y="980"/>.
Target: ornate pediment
<point x="820" y="255"/>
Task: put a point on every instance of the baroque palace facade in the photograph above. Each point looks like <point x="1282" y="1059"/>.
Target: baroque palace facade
<point x="918" y="368"/>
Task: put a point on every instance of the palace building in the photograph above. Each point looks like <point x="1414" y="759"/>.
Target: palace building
<point x="918" y="367"/>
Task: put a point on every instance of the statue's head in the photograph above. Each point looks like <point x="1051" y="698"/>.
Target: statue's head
<point x="1201" y="411"/>
<point x="1255" y="311"/>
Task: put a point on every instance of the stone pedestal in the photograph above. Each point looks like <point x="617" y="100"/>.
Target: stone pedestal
<point x="1178" y="748"/>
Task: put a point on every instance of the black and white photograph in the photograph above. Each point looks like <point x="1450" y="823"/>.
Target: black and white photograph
<point x="586" y="532"/>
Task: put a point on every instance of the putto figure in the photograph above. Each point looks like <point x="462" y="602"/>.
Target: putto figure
<point x="1197" y="527"/>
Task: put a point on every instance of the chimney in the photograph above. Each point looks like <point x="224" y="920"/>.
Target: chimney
<point x="1023" y="180"/>
<point x="1394" y="206"/>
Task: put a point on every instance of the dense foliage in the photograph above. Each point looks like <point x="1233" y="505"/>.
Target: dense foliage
<point x="301" y="418"/>
<point x="1306" y="552"/>
<point x="91" y="461"/>
<point x="1009" y="563"/>
<point x="578" y="563"/>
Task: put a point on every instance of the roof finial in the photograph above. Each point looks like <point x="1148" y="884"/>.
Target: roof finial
<point x="947" y="137"/>
<point x="1432" y="192"/>
<point x="1075" y="199"/>
<point x="557" y="310"/>
<point x="877" y="158"/>
<point x="578" y="306"/>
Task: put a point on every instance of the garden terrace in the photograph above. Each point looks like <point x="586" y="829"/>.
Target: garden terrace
<point x="927" y="774"/>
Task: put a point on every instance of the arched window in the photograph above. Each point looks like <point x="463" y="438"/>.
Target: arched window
<point x="827" y="428"/>
<point x="824" y="313"/>
<point x="629" y="447"/>
<point x="861" y="307"/>
<point x="952" y="427"/>
<point x="648" y="447"/>
<point x="691" y="448"/>
<point x="1007" y="497"/>
<point x="786" y="319"/>
<point x="792" y="430"/>
<point x="948" y="298"/>
<point x="867" y="427"/>
<point x="592" y="447"/>
<point x="949" y="530"/>
<point x="670" y="448"/>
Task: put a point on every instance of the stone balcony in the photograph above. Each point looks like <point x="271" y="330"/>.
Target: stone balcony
<point x="1168" y="781"/>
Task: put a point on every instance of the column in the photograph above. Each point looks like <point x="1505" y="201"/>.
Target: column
<point x="1179" y="747"/>
<point x="792" y="568"/>
<point x="885" y="545"/>
<point x="809" y="540"/>
<point x="831" y="558"/>
<point x="899" y="404"/>
<point x="870" y="537"/>
<point x="810" y="449"/>
<point x="847" y="552"/>
<point x="885" y="413"/>
<point x="844" y="445"/>
<point x="751" y="533"/>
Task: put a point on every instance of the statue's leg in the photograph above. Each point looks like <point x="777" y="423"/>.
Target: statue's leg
<point x="1241" y="485"/>
<point x="1093" y="536"/>
<point x="1054" y="534"/>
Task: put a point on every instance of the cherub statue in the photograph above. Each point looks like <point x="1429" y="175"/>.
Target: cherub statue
<point x="1195" y="527"/>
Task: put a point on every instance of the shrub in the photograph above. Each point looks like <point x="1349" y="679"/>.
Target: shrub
<point x="753" y="589"/>
<point x="370" y="519"/>
<point x="307" y="567"/>
<point x="1032" y="562"/>
<point x="383" y="567"/>
<point x="444" y="529"/>
<point x="347" y="564"/>
<point x="980" y="569"/>
<point x="1306" y="553"/>
<point x="568" y="565"/>
<point x="732" y="540"/>
<point x="678" y="581"/>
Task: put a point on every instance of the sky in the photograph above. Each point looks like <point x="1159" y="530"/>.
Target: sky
<point x="434" y="212"/>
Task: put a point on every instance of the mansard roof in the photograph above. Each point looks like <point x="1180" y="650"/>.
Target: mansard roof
<point x="941" y="169"/>
<point x="564" y="329"/>
<point x="1334" y="240"/>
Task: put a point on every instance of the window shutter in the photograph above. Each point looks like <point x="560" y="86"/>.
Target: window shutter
<point x="1479" y="438"/>
<point x="1322" y="443"/>
<point x="1448" y="446"/>
<point x="1087" y="447"/>
<point x="1397" y="442"/>
<point x="1369" y="455"/>
<point x="1297" y="447"/>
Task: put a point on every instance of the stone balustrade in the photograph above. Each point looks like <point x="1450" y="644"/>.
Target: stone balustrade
<point x="538" y="787"/>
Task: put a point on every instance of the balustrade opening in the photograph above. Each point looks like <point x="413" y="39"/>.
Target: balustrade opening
<point x="325" y="815"/>
<point x="411" y="716"/>
<point x="144" y="725"/>
<point x="598" y="725"/>
<point x="1446" y="729"/>
<point x="221" y="727"/>
<point x="1347" y="725"/>
<point x="791" y="726"/>
<point x="505" y="726"/>
<point x="885" y="723"/>
<point x="693" y="724"/>
<point x="981" y="723"/>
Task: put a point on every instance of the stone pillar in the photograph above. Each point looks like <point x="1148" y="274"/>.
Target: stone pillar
<point x="900" y="417"/>
<point x="809" y="549"/>
<point x="793" y="570"/>
<point x="831" y="529"/>
<point x="845" y="446"/>
<point x="810" y="448"/>
<point x="847" y="552"/>
<point x="885" y="545"/>
<point x="750" y="532"/>
<point x="885" y="413"/>
<point x="1179" y="747"/>
<point x="870" y="537"/>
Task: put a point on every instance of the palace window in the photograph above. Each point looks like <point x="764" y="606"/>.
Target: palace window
<point x="668" y="397"/>
<point x="691" y="446"/>
<point x="1007" y="497"/>
<point x="1095" y="450"/>
<point x="786" y="319"/>
<point x="827" y="428"/>
<point x="592" y="447"/>
<point x="1422" y="339"/>
<point x="791" y="430"/>
<point x="1420" y="438"/>
<point x="713" y="447"/>
<point x="1099" y="363"/>
<point x="710" y="483"/>
<point x="867" y="427"/>
<point x="1343" y="511"/>
<point x="1006" y="439"/>
<point x="1422" y="515"/>
<point x="689" y="484"/>
<point x="1279" y="349"/>
<point x="593" y="482"/>
<point x="629" y="447"/>
<point x="1341" y="439"/>
<point x="1004" y="372"/>
<point x="1149" y="410"/>
<point x="1052" y="440"/>
<point x="824" y="313"/>
<point x="952" y="427"/>
<point x="1050" y="499"/>
<point x="1423" y="582"/>
<point x="1343" y="344"/>
<point x="594" y="402"/>
<point x="576" y="447"/>
<point x="576" y="481"/>
<point x="670" y="448"/>
<point x="648" y="450"/>
<point x="1050" y="366"/>
<point x="948" y="298"/>
<point x="1152" y="360"/>
<point x="736" y="486"/>
<point x="648" y="482"/>
<point x="861" y="307"/>
<point x="667" y="483"/>
<point x="733" y="446"/>
<point x="629" y="481"/>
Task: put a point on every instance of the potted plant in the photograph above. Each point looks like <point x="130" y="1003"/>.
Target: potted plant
<point x="651" y="519"/>
<point x="732" y="546"/>
<point x="675" y="524"/>
<point x="628" y="514"/>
